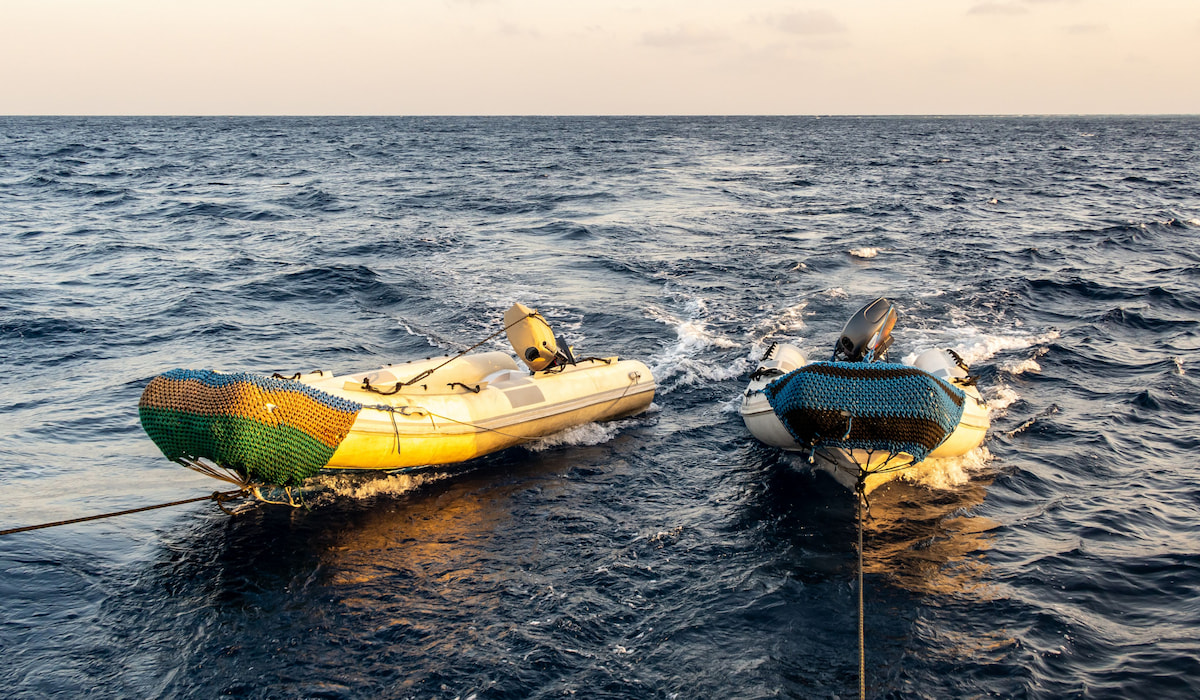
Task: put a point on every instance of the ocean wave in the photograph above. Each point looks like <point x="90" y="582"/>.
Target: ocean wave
<point x="1030" y="364"/>
<point x="213" y="210"/>
<point x="314" y="199"/>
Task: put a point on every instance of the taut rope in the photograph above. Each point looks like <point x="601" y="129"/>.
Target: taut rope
<point x="861" y="498"/>
<point x="218" y="496"/>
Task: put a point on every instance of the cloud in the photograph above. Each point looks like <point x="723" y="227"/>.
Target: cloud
<point x="998" y="8"/>
<point x="681" y="37"/>
<point x="809" y="23"/>
<point x="1083" y="29"/>
<point x="512" y="30"/>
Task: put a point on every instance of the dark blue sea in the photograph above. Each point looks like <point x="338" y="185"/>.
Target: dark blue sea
<point x="667" y="555"/>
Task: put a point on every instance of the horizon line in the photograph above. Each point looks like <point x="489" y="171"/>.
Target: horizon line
<point x="817" y="115"/>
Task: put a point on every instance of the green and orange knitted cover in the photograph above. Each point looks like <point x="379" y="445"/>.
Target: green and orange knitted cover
<point x="268" y="430"/>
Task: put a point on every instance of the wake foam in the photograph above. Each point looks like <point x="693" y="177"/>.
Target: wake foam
<point x="586" y="434"/>
<point x="977" y="346"/>
<point x="331" y="486"/>
<point x="776" y="324"/>
<point x="949" y="472"/>
<point x="1028" y="365"/>
<point x="684" y="363"/>
<point x="1002" y="397"/>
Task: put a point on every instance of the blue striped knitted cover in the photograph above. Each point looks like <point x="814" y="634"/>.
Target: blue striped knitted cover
<point x="872" y="406"/>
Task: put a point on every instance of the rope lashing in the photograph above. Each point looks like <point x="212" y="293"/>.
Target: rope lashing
<point x="366" y="384"/>
<point x="970" y="379"/>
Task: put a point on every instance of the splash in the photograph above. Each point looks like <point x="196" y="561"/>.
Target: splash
<point x="1002" y="398"/>
<point x="1018" y="367"/>
<point x="361" y="486"/>
<point x="586" y="434"/>
<point x="864" y="253"/>
<point x="1178" y="365"/>
<point x="976" y="346"/>
<point x="1022" y="367"/>
<point x="950" y="472"/>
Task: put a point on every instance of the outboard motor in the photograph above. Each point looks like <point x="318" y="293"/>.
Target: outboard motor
<point x="533" y="340"/>
<point x="868" y="333"/>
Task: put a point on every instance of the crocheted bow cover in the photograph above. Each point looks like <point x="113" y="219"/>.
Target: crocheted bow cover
<point x="267" y="430"/>
<point x="872" y="406"/>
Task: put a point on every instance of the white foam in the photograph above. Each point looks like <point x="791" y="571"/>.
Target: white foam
<point x="783" y="324"/>
<point x="359" y="487"/>
<point x="976" y="346"/>
<point x="1017" y="367"/>
<point x="1002" y="397"/>
<point x="865" y="253"/>
<point x="1194" y="222"/>
<point x="950" y="472"/>
<point x="586" y="434"/>
<point x="684" y="363"/>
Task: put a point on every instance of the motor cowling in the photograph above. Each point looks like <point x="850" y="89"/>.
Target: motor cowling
<point x="868" y="334"/>
<point x="533" y="340"/>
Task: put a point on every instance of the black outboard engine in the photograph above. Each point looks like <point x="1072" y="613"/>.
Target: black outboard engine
<point x="868" y="333"/>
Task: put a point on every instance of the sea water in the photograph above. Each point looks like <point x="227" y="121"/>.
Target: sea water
<point x="667" y="555"/>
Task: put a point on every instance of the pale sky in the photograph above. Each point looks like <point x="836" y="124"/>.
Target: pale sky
<point x="434" y="57"/>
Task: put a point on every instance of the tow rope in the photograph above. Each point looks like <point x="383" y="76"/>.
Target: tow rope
<point x="218" y="496"/>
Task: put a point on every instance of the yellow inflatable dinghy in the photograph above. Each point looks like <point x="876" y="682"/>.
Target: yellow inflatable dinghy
<point x="276" y="430"/>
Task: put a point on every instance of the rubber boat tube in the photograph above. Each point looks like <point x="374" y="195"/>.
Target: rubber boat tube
<point x="475" y="405"/>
